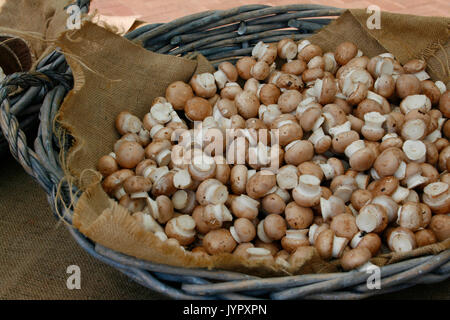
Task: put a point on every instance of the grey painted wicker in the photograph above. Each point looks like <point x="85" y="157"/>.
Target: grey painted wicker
<point x="235" y="32"/>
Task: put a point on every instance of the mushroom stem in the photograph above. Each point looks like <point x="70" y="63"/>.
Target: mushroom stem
<point x="400" y="173"/>
<point x="345" y="127"/>
<point x="415" y="180"/>
<point x="120" y="192"/>
<point x="353" y="147"/>
<point x="262" y="233"/>
<point x="339" y="244"/>
<point x="368" y="266"/>
<point x="400" y="194"/>
<point x="415" y="150"/>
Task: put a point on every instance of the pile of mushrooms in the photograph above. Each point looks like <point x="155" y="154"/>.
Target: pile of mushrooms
<point x="332" y="150"/>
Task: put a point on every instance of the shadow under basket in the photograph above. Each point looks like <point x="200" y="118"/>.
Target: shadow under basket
<point x="219" y="36"/>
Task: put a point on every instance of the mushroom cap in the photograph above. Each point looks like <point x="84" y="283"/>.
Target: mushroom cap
<point x="238" y="178"/>
<point x="136" y="184"/>
<point x="324" y="244"/>
<point x="244" y="65"/>
<point x="269" y="94"/>
<point x="288" y="133"/>
<point x="309" y="52"/>
<point x="107" y="165"/>
<point x="178" y="93"/>
<point x="115" y="180"/>
<point x="287" y="49"/>
<point x="431" y="91"/>
<point x="289" y="100"/>
<point x="165" y="208"/>
<point x="385" y="186"/>
<point x="387" y="163"/>
<point x="226" y="107"/>
<point x="371" y="241"/>
<point x="127" y="123"/>
<point x="344" y="225"/>
<point x="444" y="159"/>
<point x="298" y="152"/>
<point x="440" y="224"/>
<point x="308" y="119"/>
<point x="310" y="75"/>
<point x="296" y="67"/>
<point x="182" y="229"/>
<point x="328" y="90"/>
<point x="200" y="225"/>
<point x="275" y="226"/>
<point x="367" y="106"/>
<point x="410" y="216"/>
<point x="289" y="82"/>
<point x="343" y="140"/>
<point x="298" y="217"/>
<point x="385" y="85"/>
<point x="360" y="198"/>
<point x="211" y="191"/>
<point x="230" y="90"/>
<point x="204" y="85"/>
<point x="197" y="109"/>
<point x="260" y="183"/>
<point x="164" y="185"/>
<point x="273" y="204"/>
<point x="244" y="229"/>
<point x="407" y="85"/>
<point x="372" y="218"/>
<point x="345" y="52"/>
<point x="308" y="192"/>
<point x="425" y="237"/>
<point x="444" y="104"/>
<point x="310" y="168"/>
<point x="355" y="258"/>
<point x="129" y="154"/>
<point x="219" y="241"/>
<point x="414" y="66"/>
<point x="260" y="70"/>
<point x="362" y="159"/>
<point x="230" y="70"/>
<point x="247" y="104"/>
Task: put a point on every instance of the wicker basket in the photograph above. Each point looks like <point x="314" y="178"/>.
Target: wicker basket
<point x="219" y="35"/>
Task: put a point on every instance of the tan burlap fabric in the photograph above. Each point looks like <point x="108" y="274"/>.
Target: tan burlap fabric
<point x="406" y="36"/>
<point x="38" y="22"/>
<point x="112" y="74"/>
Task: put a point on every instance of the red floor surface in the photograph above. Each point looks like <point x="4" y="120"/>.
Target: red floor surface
<point x="167" y="10"/>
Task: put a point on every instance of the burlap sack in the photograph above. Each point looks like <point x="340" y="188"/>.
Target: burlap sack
<point x="113" y="74"/>
<point x="34" y="21"/>
<point x="405" y="36"/>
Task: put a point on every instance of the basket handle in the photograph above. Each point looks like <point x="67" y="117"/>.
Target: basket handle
<point x="17" y="140"/>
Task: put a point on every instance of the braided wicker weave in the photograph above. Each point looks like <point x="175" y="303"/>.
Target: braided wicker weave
<point x="219" y="35"/>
